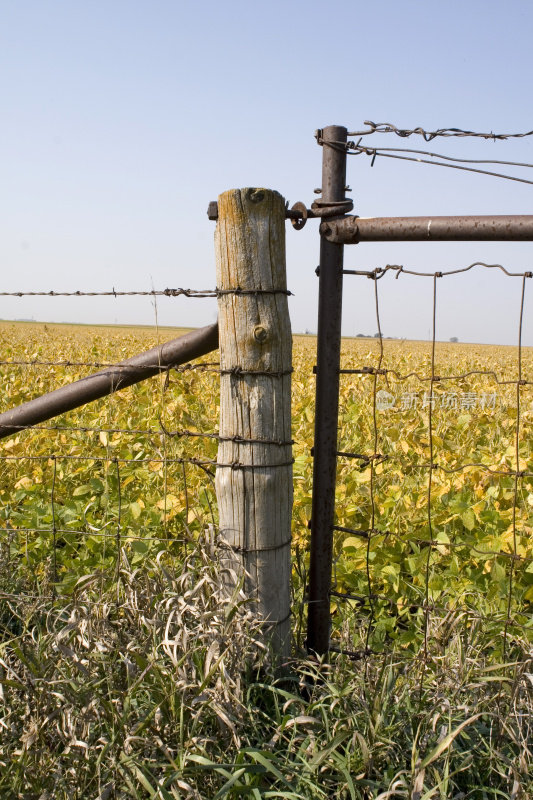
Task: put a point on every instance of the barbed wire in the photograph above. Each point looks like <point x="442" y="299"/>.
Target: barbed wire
<point x="32" y="362"/>
<point x="198" y="293"/>
<point x="50" y="457"/>
<point x="180" y="433"/>
<point x="388" y="127"/>
<point x="194" y="293"/>
<point x="199" y="462"/>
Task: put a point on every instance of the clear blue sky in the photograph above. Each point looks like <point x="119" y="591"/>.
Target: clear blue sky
<point x="122" y="119"/>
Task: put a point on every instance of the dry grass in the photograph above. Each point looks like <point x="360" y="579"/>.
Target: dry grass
<point x="161" y="689"/>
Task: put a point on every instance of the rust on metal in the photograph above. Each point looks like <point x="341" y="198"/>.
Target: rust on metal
<point x="327" y="396"/>
<point x="351" y="230"/>
<point x="299" y="221"/>
<point x="159" y="359"/>
<point x="299" y="213"/>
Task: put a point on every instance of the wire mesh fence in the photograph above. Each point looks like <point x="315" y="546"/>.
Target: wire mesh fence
<point x="434" y="484"/>
<point x="123" y="479"/>
<point x="425" y="503"/>
<point x="434" y="467"/>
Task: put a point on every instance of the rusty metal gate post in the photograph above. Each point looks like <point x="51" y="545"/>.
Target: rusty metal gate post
<point x="327" y="397"/>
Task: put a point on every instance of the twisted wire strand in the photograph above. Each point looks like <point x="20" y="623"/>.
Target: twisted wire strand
<point x="199" y="462"/>
<point x="198" y="293"/>
<point x="33" y="362"/>
<point x="360" y="149"/>
<point x="388" y="127"/>
<point x="399" y="269"/>
<point x="373" y="152"/>
<point x="194" y="293"/>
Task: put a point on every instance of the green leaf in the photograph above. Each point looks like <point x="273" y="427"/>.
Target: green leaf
<point x="135" y="510"/>
<point x="446" y="742"/>
<point x="223" y="791"/>
<point x="79" y="491"/>
<point x="469" y="520"/>
<point x="266" y="760"/>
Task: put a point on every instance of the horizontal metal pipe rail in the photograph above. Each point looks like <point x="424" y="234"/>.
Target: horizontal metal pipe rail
<point x="159" y="359"/>
<point x="352" y="230"/>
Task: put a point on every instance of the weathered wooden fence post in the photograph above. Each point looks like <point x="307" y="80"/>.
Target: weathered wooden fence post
<point x="254" y="472"/>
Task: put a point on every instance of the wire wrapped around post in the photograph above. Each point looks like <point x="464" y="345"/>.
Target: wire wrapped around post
<point x="255" y="496"/>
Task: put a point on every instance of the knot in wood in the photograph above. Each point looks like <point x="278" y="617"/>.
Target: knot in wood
<point x="260" y="334"/>
<point x="255" y="195"/>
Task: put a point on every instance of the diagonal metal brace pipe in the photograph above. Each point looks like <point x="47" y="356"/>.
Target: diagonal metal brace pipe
<point x="159" y="359"/>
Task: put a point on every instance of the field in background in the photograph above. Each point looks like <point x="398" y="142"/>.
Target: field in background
<point x="121" y="667"/>
<point x="120" y="483"/>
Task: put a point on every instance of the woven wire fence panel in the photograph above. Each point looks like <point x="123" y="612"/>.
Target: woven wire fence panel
<point x="434" y="496"/>
<point x="115" y="484"/>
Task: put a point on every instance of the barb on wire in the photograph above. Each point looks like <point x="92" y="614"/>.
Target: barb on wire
<point x="32" y="362"/>
<point x="197" y="293"/>
<point x="388" y="127"/>
<point x="132" y="431"/>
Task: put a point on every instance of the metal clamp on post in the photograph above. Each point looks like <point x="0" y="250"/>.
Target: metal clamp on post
<point x="299" y="214"/>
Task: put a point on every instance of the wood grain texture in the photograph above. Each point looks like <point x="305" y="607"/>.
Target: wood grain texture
<point x="255" y="497"/>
